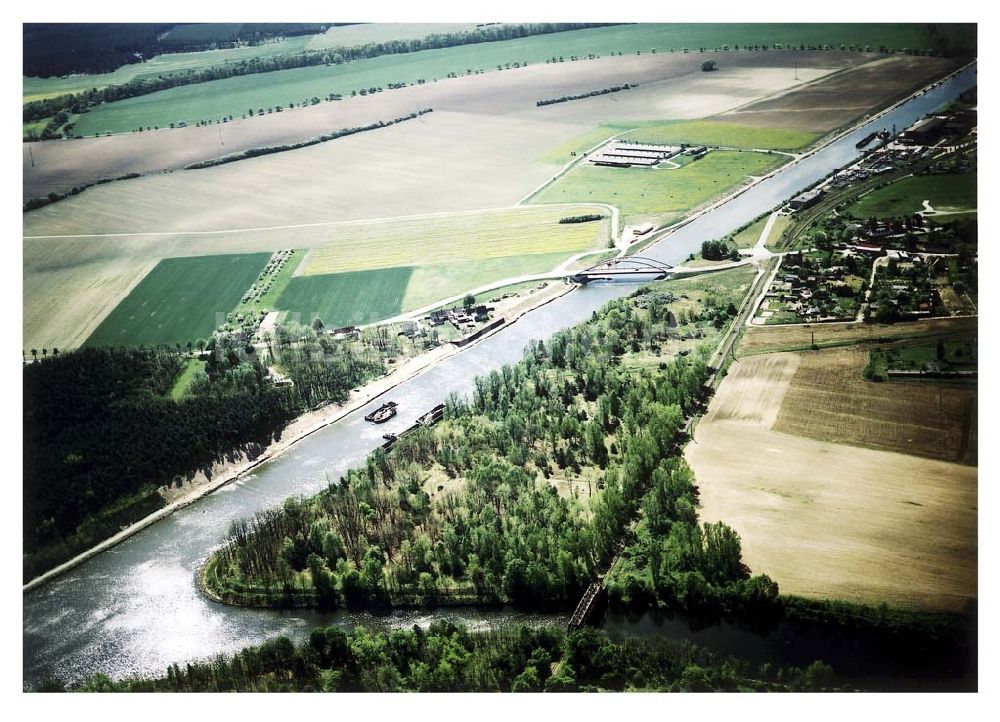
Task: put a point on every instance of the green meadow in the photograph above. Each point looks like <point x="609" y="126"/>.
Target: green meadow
<point x="708" y="132"/>
<point x="659" y="195"/>
<point x="944" y="192"/>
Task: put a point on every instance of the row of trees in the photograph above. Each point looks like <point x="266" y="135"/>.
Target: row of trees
<point x="63" y="48"/>
<point x="591" y="94"/>
<point x="81" y="102"/>
<point x="447" y="657"/>
<point x="54" y="197"/>
<point x="341" y="133"/>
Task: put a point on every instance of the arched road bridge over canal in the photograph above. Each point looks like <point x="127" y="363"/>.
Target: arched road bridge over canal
<point x="637" y="267"/>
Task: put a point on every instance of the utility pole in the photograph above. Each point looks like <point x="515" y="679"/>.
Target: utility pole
<point x="796" y="69"/>
<point x="32" y="156"/>
<point x="221" y="142"/>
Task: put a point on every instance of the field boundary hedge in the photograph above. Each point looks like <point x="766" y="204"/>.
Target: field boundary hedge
<point x="267" y="150"/>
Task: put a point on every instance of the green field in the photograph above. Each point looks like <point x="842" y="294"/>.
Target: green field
<point x="360" y="297"/>
<point x="233" y="96"/>
<point x="748" y="237"/>
<point x="658" y="195"/>
<point x="167" y="64"/>
<point x="352" y="298"/>
<point x="178" y="300"/>
<point x="170" y="63"/>
<point x="431" y="283"/>
<point x="905" y="196"/>
<point x="693" y="132"/>
<point x="959" y="353"/>
<point x="562" y="154"/>
<point x="707" y="132"/>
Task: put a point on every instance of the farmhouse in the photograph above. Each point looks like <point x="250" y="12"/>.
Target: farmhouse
<point x="410" y="328"/>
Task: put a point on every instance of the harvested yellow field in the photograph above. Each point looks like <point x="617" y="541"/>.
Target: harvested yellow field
<point x="829" y="520"/>
<point x="832" y="521"/>
<point x="760" y="339"/>
<point x="757" y="388"/>
<point x="457" y="237"/>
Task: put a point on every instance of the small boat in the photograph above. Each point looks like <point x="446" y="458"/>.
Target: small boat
<point x="389" y="437"/>
<point x="383" y="413"/>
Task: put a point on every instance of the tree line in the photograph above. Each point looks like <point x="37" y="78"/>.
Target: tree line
<point x="62" y="48"/>
<point x="585" y="218"/>
<point x="591" y="94"/>
<point x="81" y="102"/>
<point x="341" y="133"/>
<point x="448" y="657"/>
<point x="54" y="197"/>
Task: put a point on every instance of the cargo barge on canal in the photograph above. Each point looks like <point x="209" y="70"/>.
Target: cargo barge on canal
<point x="383" y="413"/>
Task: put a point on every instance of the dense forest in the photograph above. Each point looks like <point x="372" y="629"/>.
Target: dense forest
<point x="64" y="48"/>
<point x="101" y="432"/>
<point x="448" y="657"/>
<point x="576" y="410"/>
<point x="81" y="102"/>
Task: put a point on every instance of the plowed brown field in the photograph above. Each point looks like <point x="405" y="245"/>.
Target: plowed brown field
<point x="758" y="339"/>
<point x="832" y="520"/>
<point x="833" y="102"/>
